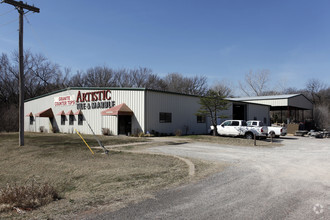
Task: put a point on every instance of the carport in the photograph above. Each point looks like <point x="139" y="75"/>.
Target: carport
<point x="284" y="108"/>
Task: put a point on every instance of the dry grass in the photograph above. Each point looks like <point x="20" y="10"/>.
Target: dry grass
<point x="84" y="181"/>
<point x="29" y="196"/>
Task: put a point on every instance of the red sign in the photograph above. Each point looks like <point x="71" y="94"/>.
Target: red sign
<point x="94" y="96"/>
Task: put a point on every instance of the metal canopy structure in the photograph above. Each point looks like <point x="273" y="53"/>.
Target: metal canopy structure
<point x="61" y="113"/>
<point x="121" y="109"/>
<point x="69" y="113"/>
<point x="286" y="108"/>
<point x="48" y="113"/>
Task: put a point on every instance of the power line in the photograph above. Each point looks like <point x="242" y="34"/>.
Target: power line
<point x="36" y="36"/>
<point x="6" y="12"/>
<point x="9" y="22"/>
<point x="12" y="21"/>
<point x="20" y="6"/>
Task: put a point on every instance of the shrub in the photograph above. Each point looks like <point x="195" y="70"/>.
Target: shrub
<point x="178" y="132"/>
<point x="106" y="131"/>
<point x="29" y="196"/>
<point x="322" y="117"/>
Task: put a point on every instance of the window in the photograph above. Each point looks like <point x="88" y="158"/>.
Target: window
<point x="165" y="117"/>
<point x="31" y="120"/>
<point x="200" y="119"/>
<point x="235" y="123"/>
<point x="62" y="119"/>
<point x="227" y="123"/>
<point x="80" y="119"/>
<point x="265" y="121"/>
<point x="71" y="119"/>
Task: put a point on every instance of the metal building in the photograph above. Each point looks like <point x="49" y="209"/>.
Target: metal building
<point x="125" y="111"/>
<point x="286" y="108"/>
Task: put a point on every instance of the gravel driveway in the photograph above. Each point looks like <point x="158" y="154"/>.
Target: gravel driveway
<point x="287" y="182"/>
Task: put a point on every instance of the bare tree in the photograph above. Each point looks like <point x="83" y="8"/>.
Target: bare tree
<point x="77" y="80"/>
<point x="41" y="76"/>
<point x="140" y="76"/>
<point x="123" y="78"/>
<point x="155" y="82"/>
<point x="8" y="82"/>
<point x="314" y="88"/>
<point x="223" y="88"/>
<point x="99" y="77"/>
<point x="322" y="116"/>
<point x="196" y="85"/>
<point x="255" y="82"/>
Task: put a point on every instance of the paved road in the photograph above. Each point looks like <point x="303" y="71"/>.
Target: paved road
<point x="288" y="182"/>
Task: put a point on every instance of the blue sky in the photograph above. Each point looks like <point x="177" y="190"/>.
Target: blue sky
<point x="222" y="40"/>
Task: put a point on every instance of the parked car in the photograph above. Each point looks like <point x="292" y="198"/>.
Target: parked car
<point x="272" y="130"/>
<point x="239" y="128"/>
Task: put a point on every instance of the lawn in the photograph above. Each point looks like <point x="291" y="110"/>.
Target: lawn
<point x="85" y="182"/>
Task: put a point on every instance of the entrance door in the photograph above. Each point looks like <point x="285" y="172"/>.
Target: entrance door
<point x="239" y="112"/>
<point x="124" y="124"/>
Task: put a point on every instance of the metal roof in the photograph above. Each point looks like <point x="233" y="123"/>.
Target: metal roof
<point x="110" y="88"/>
<point x="286" y="96"/>
<point x="298" y="101"/>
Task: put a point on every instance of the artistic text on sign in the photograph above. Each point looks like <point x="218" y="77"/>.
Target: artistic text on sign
<point x="94" y="100"/>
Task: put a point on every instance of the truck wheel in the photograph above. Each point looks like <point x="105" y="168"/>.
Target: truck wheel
<point x="272" y="134"/>
<point x="249" y="136"/>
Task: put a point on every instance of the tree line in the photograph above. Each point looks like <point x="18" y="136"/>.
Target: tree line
<point x="44" y="76"/>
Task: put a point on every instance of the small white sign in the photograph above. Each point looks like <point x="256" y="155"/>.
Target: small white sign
<point x="64" y="100"/>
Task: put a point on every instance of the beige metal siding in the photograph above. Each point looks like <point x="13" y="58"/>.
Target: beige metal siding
<point x="183" y="109"/>
<point x="273" y="102"/>
<point x="258" y="112"/>
<point x="110" y="122"/>
<point x="134" y="99"/>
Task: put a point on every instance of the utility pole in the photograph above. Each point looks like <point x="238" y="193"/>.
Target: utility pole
<point x="20" y="6"/>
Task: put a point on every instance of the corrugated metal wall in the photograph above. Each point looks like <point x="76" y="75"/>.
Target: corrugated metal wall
<point x="258" y="112"/>
<point x="183" y="109"/>
<point x="273" y="102"/>
<point x="300" y="102"/>
<point x="134" y="99"/>
<point x="145" y="104"/>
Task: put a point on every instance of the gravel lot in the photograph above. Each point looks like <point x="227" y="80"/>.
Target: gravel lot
<point x="287" y="182"/>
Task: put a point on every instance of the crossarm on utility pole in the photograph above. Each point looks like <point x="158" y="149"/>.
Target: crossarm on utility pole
<point x="20" y="6"/>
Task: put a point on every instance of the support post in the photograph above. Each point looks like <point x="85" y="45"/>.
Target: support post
<point x="20" y="6"/>
<point x="21" y="79"/>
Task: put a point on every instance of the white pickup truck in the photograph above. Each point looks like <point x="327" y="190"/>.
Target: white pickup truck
<point x="272" y="130"/>
<point x="239" y="128"/>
